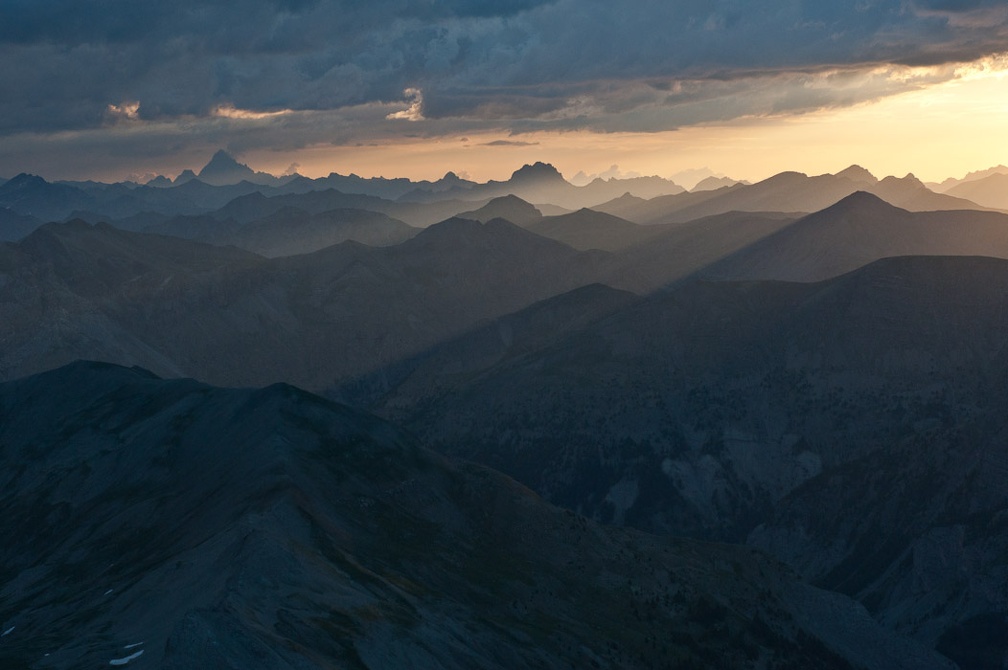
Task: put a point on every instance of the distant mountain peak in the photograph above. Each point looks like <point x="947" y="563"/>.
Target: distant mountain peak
<point x="184" y="176"/>
<point x="24" y="180"/>
<point x="909" y="180"/>
<point x="713" y="183"/>
<point x="856" y="173"/>
<point x="538" y="171"/>
<point x="629" y="197"/>
<point x="860" y="201"/>
<point x="224" y="166"/>
<point x="510" y="207"/>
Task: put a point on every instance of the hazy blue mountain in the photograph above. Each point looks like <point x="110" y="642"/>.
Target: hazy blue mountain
<point x="288" y="231"/>
<point x="176" y="525"/>
<point x="787" y="192"/>
<point x="451" y="186"/>
<point x="14" y="226"/>
<point x="223" y="169"/>
<point x="860" y="229"/>
<point x="228" y="316"/>
<point x="184" y="176"/>
<point x="542" y="183"/>
<point x="60" y="287"/>
<point x="33" y="196"/>
<point x="257" y="205"/>
<point x="160" y="181"/>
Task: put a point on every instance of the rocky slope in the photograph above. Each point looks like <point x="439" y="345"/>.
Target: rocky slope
<point x="169" y="524"/>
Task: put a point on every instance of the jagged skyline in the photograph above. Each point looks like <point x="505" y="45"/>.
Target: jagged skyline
<point x="104" y="91"/>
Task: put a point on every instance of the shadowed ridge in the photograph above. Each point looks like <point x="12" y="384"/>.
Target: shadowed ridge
<point x="268" y="528"/>
<point x="510" y="207"/>
<point x="860" y="203"/>
<point x="592" y="229"/>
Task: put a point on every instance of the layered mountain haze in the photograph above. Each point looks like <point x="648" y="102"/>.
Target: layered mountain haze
<point x="952" y="182"/>
<point x="310" y="320"/>
<point x="588" y="229"/>
<point x="799" y="379"/>
<point x="289" y="230"/>
<point x="858" y="230"/>
<point x="552" y="334"/>
<point x="733" y="410"/>
<point x="508" y="207"/>
<point x="786" y="192"/>
<point x="543" y="183"/>
<point x="989" y="191"/>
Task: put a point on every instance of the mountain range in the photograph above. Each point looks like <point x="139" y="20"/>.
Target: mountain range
<point x="785" y="192"/>
<point x="850" y="427"/>
<point x="769" y="417"/>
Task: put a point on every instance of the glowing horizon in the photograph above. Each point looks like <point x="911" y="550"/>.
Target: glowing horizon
<point x="937" y="131"/>
<point x="943" y="130"/>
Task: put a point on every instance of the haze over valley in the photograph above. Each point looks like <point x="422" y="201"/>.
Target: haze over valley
<point x="699" y="365"/>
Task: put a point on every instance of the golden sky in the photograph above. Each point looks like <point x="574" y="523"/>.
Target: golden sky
<point x="937" y="131"/>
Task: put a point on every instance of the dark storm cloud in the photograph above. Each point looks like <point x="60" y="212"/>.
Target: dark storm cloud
<point x="342" y="67"/>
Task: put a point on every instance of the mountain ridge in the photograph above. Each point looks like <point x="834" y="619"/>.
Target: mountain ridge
<point x="190" y="526"/>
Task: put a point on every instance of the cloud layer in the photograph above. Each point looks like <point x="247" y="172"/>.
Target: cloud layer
<point x="288" y="73"/>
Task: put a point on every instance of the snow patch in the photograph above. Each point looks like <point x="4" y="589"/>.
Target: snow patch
<point x="126" y="659"/>
<point x="8" y="631"/>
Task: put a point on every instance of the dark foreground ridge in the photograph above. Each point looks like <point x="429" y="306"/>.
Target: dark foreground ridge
<point x="172" y="524"/>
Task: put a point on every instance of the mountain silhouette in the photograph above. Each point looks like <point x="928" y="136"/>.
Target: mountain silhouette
<point x="224" y="169"/>
<point x="989" y="191"/>
<point x="509" y="207"/>
<point x="858" y="230"/>
<point x="788" y="192"/>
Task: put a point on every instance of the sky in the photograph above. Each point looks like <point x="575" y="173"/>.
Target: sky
<point x="108" y="89"/>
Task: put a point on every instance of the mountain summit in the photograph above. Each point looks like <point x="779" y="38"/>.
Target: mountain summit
<point x="224" y="169"/>
<point x="537" y="172"/>
<point x="856" y="174"/>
